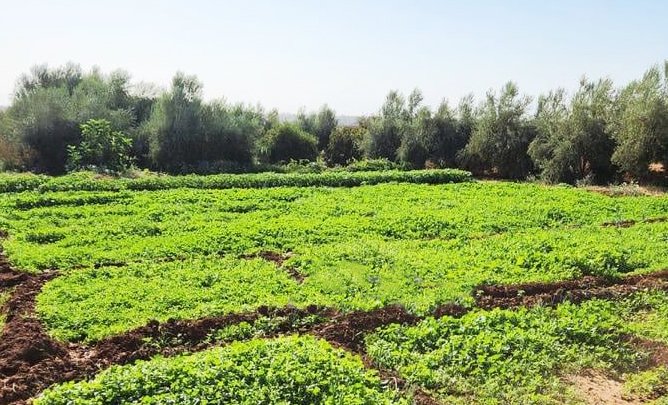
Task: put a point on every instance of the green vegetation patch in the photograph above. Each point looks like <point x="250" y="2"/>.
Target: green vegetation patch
<point x="94" y="303"/>
<point x="4" y="296"/>
<point x="157" y="255"/>
<point x="504" y="356"/>
<point x="648" y="385"/>
<point x="85" y="181"/>
<point x="290" y="370"/>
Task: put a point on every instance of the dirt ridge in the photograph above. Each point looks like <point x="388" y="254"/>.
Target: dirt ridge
<point x="576" y="291"/>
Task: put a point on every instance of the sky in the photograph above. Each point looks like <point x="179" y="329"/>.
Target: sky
<point x="288" y="54"/>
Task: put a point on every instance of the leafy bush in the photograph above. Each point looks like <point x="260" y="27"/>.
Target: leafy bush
<point x="100" y="148"/>
<point x="288" y="142"/>
<point x="345" y="146"/>
<point x="374" y="165"/>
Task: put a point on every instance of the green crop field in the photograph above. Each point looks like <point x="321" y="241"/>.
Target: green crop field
<point x="122" y="254"/>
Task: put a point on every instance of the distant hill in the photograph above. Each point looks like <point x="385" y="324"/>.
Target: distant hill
<point x="344" y="120"/>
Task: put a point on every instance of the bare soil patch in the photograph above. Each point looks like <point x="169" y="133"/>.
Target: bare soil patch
<point x="596" y="388"/>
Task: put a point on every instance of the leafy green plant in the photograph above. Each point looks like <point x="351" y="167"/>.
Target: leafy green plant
<point x="291" y="370"/>
<point x="101" y="148"/>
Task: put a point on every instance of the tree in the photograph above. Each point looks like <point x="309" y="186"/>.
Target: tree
<point x="320" y="124"/>
<point x="573" y="140"/>
<point x="175" y="128"/>
<point x="287" y="142"/>
<point x="386" y="130"/>
<point x="345" y="146"/>
<point x="230" y="132"/>
<point x="453" y="131"/>
<point x="42" y="122"/>
<point x="640" y="123"/>
<point x="67" y="77"/>
<point x="100" y="148"/>
<point x="501" y="135"/>
<point x="418" y="139"/>
<point x="50" y="104"/>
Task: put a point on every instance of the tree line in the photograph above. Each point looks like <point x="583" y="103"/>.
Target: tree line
<point x="66" y="119"/>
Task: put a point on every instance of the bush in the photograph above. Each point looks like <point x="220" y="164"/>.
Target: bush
<point x="101" y="148"/>
<point x="288" y="142"/>
<point x="345" y="145"/>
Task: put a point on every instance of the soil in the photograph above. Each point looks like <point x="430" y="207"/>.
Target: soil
<point x="29" y="359"/>
<point x="596" y="388"/>
<point x="586" y="288"/>
<point x="348" y="330"/>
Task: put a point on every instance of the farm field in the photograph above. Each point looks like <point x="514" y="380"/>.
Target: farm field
<point x="387" y="287"/>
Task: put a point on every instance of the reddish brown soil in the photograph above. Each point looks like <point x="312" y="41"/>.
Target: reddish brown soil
<point x="8" y="277"/>
<point x="29" y="359"/>
<point x="348" y="330"/>
<point x="586" y="288"/>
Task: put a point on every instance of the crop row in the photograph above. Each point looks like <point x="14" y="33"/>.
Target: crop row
<point x="90" y="182"/>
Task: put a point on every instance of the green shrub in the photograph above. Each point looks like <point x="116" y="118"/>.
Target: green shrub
<point x="345" y="146"/>
<point x="101" y="148"/>
<point x="288" y="142"/>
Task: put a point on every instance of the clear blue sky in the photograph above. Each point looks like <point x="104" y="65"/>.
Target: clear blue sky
<point x="287" y="54"/>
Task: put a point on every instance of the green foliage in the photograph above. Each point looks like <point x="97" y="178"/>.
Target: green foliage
<point x="649" y="384"/>
<point x="288" y="142"/>
<point x="4" y="296"/>
<point x="186" y="135"/>
<point x="364" y="172"/>
<point x="359" y="248"/>
<point x="175" y="127"/>
<point x="94" y="303"/>
<point x="504" y="356"/>
<point x="50" y="105"/>
<point x="640" y="124"/>
<point x="320" y="124"/>
<point x="385" y="131"/>
<point x="345" y="146"/>
<point x="597" y="136"/>
<point x="365" y="165"/>
<point x="291" y="370"/>
<point x="100" y="148"/>
<point x="573" y="141"/>
<point x="501" y="136"/>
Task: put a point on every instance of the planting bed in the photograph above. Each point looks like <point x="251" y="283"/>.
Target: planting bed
<point x="385" y="293"/>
